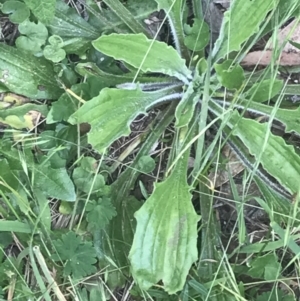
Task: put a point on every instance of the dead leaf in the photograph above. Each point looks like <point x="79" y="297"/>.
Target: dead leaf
<point x="290" y="55"/>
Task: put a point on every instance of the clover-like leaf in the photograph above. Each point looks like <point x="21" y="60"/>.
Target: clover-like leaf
<point x="165" y="242"/>
<point x="149" y="56"/>
<point x="54" y="51"/>
<point x="110" y="113"/>
<point x="79" y="256"/>
<point x="18" y="10"/>
<point x="33" y="36"/>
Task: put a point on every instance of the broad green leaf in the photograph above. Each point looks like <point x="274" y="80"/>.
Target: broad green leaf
<point x="33" y="36"/>
<point x="277" y="158"/>
<point x="42" y="9"/>
<point x="149" y="56"/>
<point x="174" y="11"/>
<point x="14" y="226"/>
<point x="125" y="15"/>
<point x="230" y="75"/>
<point x="264" y="90"/>
<point x="240" y="23"/>
<point x="290" y="118"/>
<point x="27" y="75"/>
<point x="72" y="28"/>
<point x="105" y="79"/>
<point x="116" y="241"/>
<point x="197" y="36"/>
<point x="110" y="113"/>
<point x="18" y="10"/>
<point x="54" y="183"/>
<point x="107" y="21"/>
<point x="164" y="245"/>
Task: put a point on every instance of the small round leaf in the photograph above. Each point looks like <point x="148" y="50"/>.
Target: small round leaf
<point x="18" y="11"/>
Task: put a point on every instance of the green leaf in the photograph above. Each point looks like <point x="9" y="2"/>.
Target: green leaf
<point x="19" y="117"/>
<point x="277" y="158"/>
<point x="42" y="9"/>
<point x="7" y="176"/>
<point x="146" y="164"/>
<point x="54" y="183"/>
<point x="149" y="56"/>
<point x="240" y="23"/>
<point x="264" y="90"/>
<point x="185" y="109"/>
<point x="72" y="28"/>
<point x="54" y="51"/>
<point x="229" y="75"/>
<point x="197" y="36"/>
<point x="79" y="256"/>
<point x="164" y="245"/>
<point x="99" y="213"/>
<point x="33" y="36"/>
<point x="110" y="113"/>
<point x="18" y="10"/>
<point x="87" y="181"/>
<point x="176" y="17"/>
<point x="124" y="14"/>
<point x="266" y="267"/>
<point x="14" y="226"/>
<point x="66" y="105"/>
<point x="274" y="295"/>
<point x="27" y="75"/>
<point x="290" y="118"/>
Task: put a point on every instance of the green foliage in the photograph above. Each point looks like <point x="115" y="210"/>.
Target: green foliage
<point x="54" y="51"/>
<point x="197" y="36"/>
<point x="78" y="256"/>
<point x="167" y="243"/>
<point x="101" y="70"/>
<point x="99" y="213"/>
<point x="18" y="11"/>
<point x="266" y="267"/>
<point x="150" y="56"/>
<point x="231" y="77"/>
<point x="43" y="10"/>
<point x="33" y="36"/>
